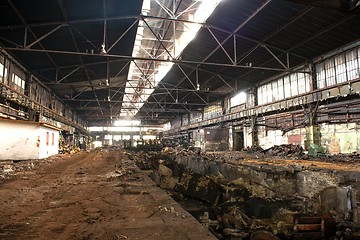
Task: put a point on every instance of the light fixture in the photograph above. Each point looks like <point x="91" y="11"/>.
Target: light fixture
<point x="197" y="80"/>
<point x="103" y="51"/>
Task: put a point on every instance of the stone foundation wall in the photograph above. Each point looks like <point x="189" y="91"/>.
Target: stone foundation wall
<point x="309" y="190"/>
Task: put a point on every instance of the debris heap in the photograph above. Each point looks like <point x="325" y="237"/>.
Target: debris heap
<point x="285" y="150"/>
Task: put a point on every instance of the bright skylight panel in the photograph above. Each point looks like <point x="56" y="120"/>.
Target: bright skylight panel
<point x="142" y="48"/>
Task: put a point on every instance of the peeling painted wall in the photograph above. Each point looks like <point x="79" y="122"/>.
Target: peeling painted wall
<point x="269" y="138"/>
<point x="335" y="139"/>
<point x="340" y="138"/>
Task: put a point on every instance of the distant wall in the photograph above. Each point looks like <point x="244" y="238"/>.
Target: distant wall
<point x="269" y="138"/>
<point x="340" y="138"/>
<point x="334" y="138"/>
<point x="217" y="139"/>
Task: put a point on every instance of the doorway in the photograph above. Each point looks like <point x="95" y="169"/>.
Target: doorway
<point x="239" y="140"/>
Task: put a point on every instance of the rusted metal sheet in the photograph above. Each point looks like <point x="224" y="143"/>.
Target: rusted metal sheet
<point x="308" y="227"/>
<point x="313" y="227"/>
<point x="306" y="219"/>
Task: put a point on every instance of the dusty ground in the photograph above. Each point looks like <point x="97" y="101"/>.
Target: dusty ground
<point x="96" y="195"/>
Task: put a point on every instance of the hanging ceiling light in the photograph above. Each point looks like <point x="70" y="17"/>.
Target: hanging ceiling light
<point x="103" y="51"/>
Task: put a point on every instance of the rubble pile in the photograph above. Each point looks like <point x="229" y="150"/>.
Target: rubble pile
<point x="68" y="149"/>
<point x="253" y="149"/>
<point x="11" y="167"/>
<point x="285" y="150"/>
<point x="345" y="158"/>
<point x="65" y="147"/>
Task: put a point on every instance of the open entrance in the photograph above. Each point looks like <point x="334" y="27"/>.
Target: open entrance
<point x="238" y="140"/>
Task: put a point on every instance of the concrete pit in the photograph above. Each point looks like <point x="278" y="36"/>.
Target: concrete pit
<point x="236" y="196"/>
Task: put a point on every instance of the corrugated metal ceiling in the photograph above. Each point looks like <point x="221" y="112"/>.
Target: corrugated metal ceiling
<point x="265" y="28"/>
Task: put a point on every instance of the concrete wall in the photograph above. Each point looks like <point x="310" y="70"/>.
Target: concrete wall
<point x="313" y="189"/>
<point x="198" y="138"/>
<point x="247" y="137"/>
<point x="216" y="139"/>
<point x="231" y="139"/>
<point x="19" y="140"/>
<point x="22" y="140"/>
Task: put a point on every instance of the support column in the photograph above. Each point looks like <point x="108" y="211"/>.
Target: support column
<point x="254" y="128"/>
<point x="313" y="140"/>
<point x="313" y="135"/>
<point x="254" y="131"/>
<point x="231" y="138"/>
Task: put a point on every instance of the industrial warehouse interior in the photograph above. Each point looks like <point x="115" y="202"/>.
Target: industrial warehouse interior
<point x="180" y="119"/>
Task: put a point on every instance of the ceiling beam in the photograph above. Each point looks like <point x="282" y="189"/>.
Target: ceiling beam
<point x="130" y="58"/>
<point x="145" y="109"/>
<point x="101" y="19"/>
<point x="28" y="28"/>
<point x="120" y="101"/>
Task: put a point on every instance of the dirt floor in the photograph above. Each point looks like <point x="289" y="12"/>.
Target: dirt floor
<point x="96" y="195"/>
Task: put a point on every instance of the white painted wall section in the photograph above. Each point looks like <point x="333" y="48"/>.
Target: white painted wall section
<point x="21" y="140"/>
<point x="269" y="138"/>
<point x="18" y="140"/>
<point x="49" y="142"/>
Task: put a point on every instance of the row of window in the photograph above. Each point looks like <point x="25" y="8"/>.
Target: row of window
<point x="195" y="117"/>
<point x="129" y="137"/>
<point x="288" y="86"/>
<point x="13" y="76"/>
<point x="212" y="111"/>
<point x="338" y="69"/>
<point x="18" y="81"/>
<point x="238" y="99"/>
<point x="341" y="68"/>
<point x="334" y="70"/>
<point x="17" y="76"/>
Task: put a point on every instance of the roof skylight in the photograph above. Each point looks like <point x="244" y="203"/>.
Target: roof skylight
<point x="161" y="35"/>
